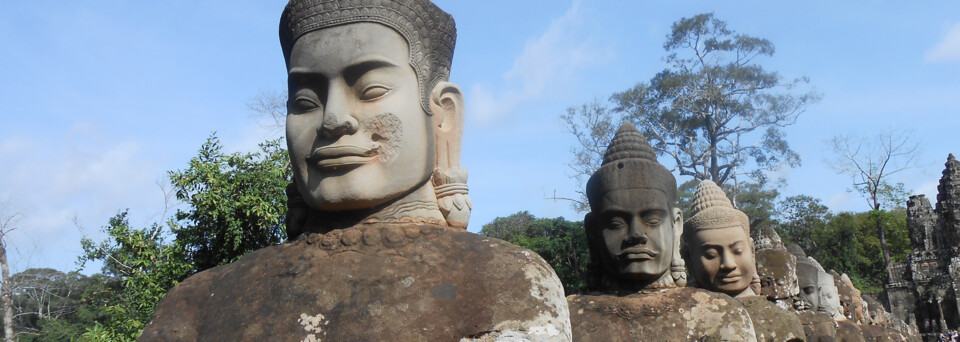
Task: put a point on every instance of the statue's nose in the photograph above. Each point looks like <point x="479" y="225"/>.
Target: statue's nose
<point x="337" y="120"/>
<point x="635" y="232"/>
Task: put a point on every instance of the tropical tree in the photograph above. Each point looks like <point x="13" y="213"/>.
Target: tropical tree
<point x="714" y="111"/>
<point x="562" y="243"/>
<point x="233" y="204"/>
<point x="236" y="202"/>
<point x="799" y="218"/>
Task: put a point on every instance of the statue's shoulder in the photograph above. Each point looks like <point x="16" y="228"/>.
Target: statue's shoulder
<point x="674" y="314"/>
<point x="849" y="331"/>
<point x="424" y="282"/>
<point x="770" y="320"/>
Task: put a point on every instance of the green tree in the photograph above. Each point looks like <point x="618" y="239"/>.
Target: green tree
<point x="755" y="200"/>
<point x="51" y="305"/>
<point x="147" y="267"/>
<point x="562" y="243"/>
<point x="849" y="244"/>
<point x="799" y="217"/>
<point x="714" y="111"/>
<point x="236" y="202"/>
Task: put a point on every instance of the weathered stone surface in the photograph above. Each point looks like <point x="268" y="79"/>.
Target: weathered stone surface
<point x="850" y="301"/>
<point x="948" y="202"/>
<point x="397" y="282"/>
<point x="767" y="238"/>
<point x="921" y="223"/>
<point x="797" y="251"/>
<point x="818" y="327"/>
<point x="876" y="333"/>
<point x="778" y="276"/>
<point x="923" y="291"/>
<point x="771" y="322"/>
<point x="847" y="331"/>
<point x="678" y="314"/>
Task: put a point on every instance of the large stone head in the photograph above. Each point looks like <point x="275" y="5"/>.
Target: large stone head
<point x="634" y="226"/>
<point x="371" y="116"/>
<point x="717" y="246"/>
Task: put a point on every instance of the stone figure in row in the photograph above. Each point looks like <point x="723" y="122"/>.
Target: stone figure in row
<point x="637" y="278"/>
<point x="379" y="204"/>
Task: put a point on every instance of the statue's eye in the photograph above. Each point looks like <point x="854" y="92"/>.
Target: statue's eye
<point x="654" y="222"/>
<point x="374" y="92"/>
<point x="303" y="104"/>
<point x="738" y="251"/>
<point x="615" y="223"/>
<point x="710" y="254"/>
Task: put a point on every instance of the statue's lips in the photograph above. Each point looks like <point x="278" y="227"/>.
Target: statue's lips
<point x="342" y="155"/>
<point x="637" y="254"/>
<point x="730" y="278"/>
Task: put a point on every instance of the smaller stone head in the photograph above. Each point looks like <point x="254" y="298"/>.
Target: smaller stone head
<point x="633" y="227"/>
<point x="850" y="298"/>
<point x="717" y="244"/>
<point x="768" y="239"/>
<point x="829" y="296"/>
<point x="808" y="277"/>
<point x="778" y="274"/>
<point x="797" y="251"/>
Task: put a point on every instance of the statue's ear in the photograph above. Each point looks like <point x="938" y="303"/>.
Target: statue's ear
<point x="590" y="227"/>
<point x="449" y="179"/>
<point x="677" y="223"/>
<point x="446" y="103"/>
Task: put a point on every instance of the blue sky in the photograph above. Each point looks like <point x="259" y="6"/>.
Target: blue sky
<point x="98" y="99"/>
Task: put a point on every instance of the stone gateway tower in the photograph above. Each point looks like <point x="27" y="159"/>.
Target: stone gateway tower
<point x="924" y="289"/>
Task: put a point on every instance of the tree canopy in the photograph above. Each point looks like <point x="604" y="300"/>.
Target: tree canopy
<point x="714" y="111"/>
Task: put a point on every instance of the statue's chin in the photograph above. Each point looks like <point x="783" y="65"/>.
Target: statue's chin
<point x="346" y="201"/>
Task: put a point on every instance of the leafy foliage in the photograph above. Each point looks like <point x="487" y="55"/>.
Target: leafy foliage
<point x="562" y="243"/>
<point x="847" y="242"/>
<point x="236" y="202"/>
<point x="799" y="216"/>
<point x="146" y="266"/>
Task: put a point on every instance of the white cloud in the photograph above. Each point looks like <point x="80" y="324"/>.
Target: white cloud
<point x="948" y="49"/>
<point x="548" y="62"/>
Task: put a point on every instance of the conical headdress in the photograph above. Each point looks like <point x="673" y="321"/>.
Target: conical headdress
<point x="630" y="163"/>
<point x="712" y="210"/>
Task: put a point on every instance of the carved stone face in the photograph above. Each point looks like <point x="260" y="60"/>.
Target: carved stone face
<point x="778" y="274"/>
<point x="829" y="298"/>
<point x="807" y="275"/>
<point x="722" y="260"/>
<point x="635" y="230"/>
<point x="356" y="132"/>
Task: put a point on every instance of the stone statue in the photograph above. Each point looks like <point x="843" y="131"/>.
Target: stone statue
<point x="717" y="244"/>
<point x="379" y="250"/>
<point x="808" y="276"/>
<point x="633" y="231"/>
<point x="829" y="303"/>
<point x="777" y="269"/>
<point x="818" y="326"/>
<point x="848" y="326"/>
<point x="719" y="251"/>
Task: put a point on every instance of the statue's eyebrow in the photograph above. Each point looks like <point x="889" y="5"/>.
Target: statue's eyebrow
<point x="353" y="72"/>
